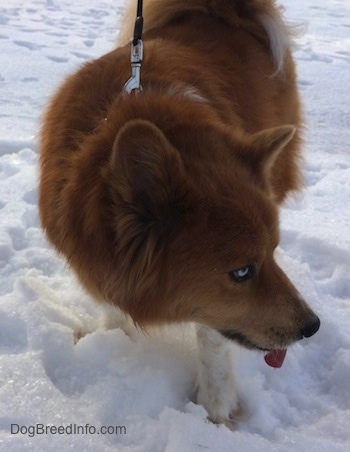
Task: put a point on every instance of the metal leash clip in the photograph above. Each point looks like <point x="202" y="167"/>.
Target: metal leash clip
<point x="136" y="59"/>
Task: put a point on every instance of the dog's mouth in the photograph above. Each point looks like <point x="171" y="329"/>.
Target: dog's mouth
<point x="274" y="358"/>
<point x="242" y="340"/>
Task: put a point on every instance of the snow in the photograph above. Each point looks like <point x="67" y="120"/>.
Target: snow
<point x="107" y="378"/>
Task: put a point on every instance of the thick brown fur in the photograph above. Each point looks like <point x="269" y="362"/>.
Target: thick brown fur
<point x="155" y="198"/>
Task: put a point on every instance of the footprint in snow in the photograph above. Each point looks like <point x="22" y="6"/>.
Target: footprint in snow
<point x="58" y="59"/>
<point x="29" y="79"/>
<point x="29" y="45"/>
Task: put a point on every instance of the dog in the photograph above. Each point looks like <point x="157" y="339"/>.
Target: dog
<point x="164" y="200"/>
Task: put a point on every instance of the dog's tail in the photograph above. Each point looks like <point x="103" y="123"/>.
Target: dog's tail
<point x="263" y="18"/>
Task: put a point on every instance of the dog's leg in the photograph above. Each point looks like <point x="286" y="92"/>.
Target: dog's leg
<point x="216" y="384"/>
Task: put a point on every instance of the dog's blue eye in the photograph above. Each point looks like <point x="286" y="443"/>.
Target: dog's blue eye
<point x="242" y="274"/>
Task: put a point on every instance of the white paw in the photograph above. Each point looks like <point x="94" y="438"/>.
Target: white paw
<point x="221" y="411"/>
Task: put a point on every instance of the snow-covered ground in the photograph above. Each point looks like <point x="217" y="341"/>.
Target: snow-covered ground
<point x="141" y="385"/>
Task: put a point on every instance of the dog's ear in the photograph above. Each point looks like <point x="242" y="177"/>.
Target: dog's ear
<point x="149" y="174"/>
<point x="150" y="193"/>
<point x="264" y="148"/>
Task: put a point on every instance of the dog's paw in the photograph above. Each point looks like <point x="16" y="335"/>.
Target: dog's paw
<point x="221" y="410"/>
<point x="236" y="415"/>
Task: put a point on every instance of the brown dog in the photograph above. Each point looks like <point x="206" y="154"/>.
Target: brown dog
<point x="165" y="203"/>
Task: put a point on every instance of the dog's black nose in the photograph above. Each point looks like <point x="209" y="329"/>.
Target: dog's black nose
<point x="311" y="326"/>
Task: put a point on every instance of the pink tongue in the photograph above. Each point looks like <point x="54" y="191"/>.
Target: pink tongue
<point x="275" y="358"/>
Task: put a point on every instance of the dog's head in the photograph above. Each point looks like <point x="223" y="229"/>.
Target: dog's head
<point x="197" y="228"/>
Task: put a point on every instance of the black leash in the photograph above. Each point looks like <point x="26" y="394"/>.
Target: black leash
<point x="133" y="84"/>
<point x="138" y="23"/>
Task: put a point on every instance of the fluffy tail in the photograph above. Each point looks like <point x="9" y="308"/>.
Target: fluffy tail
<point x="262" y="18"/>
